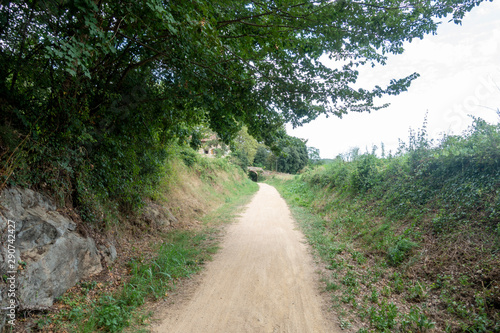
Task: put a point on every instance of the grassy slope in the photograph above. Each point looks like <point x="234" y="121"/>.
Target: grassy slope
<point x="372" y="294"/>
<point x="203" y="194"/>
<point x="411" y="242"/>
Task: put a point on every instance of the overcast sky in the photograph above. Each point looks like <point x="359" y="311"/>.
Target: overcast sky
<point x="459" y="76"/>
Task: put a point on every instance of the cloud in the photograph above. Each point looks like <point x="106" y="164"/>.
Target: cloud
<point x="460" y="76"/>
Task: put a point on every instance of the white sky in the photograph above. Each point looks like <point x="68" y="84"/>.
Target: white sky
<point x="459" y="76"/>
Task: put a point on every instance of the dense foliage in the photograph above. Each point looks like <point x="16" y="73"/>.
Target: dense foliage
<point x="91" y="92"/>
<point x="412" y="239"/>
<point x="458" y="178"/>
<point x="291" y="156"/>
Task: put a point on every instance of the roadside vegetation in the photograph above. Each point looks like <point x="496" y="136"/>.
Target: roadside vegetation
<point x="117" y="84"/>
<point x="288" y="154"/>
<point x="161" y="262"/>
<point x="122" y="88"/>
<point x="410" y="241"/>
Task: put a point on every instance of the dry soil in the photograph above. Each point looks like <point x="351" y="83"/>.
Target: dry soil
<point x="262" y="280"/>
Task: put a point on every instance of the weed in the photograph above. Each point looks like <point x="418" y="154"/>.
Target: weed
<point x="111" y="317"/>
<point x="400" y="251"/>
<point x="416" y="321"/>
<point x="332" y="286"/>
<point x="416" y="292"/>
<point x="376" y="275"/>
<point x="442" y="282"/>
<point x="464" y="280"/>
<point x="458" y="308"/>
<point x="344" y="324"/>
<point x="350" y="279"/>
<point x="397" y="283"/>
<point x="43" y="322"/>
<point x="384" y="318"/>
<point x="386" y="291"/>
<point x="359" y="257"/>
<point x="88" y="286"/>
<point x="336" y="264"/>
<point x="348" y="297"/>
<point x="374" y="296"/>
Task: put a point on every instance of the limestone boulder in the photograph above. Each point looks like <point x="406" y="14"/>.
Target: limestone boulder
<point x="154" y="214"/>
<point x="50" y="255"/>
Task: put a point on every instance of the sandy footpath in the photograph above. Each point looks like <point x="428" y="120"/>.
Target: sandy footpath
<point x="262" y="280"/>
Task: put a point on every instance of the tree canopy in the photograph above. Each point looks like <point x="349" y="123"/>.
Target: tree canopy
<point x="233" y="62"/>
<point x="291" y="155"/>
<point x="103" y="85"/>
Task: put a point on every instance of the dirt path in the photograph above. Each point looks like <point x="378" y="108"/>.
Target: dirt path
<point x="262" y="280"/>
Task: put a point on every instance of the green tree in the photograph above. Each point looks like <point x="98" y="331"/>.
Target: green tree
<point x="240" y="158"/>
<point x="261" y="157"/>
<point x="293" y="157"/>
<point x="234" y="62"/>
<point x="314" y="156"/>
<point x="244" y="142"/>
<point x="272" y="162"/>
<point x="93" y="91"/>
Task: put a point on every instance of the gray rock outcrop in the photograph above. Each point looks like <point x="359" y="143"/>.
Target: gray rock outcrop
<point x="50" y="256"/>
<point x="154" y="214"/>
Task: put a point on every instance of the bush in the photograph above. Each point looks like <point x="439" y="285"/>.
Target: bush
<point x="110" y="316"/>
<point x="189" y="156"/>
<point x="458" y="176"/>
<point x="365" y="173"/>
<point x="400" y="251"/>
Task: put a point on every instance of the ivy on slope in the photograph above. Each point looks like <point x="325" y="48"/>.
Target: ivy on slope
<point x="416" y="230"/>
<point x="457" y="179"/>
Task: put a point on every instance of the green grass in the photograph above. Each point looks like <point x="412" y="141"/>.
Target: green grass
<point x="372" y="262"/>
<point x="181" y="254"/>
<point x="426" y="218"/>
<point x="238" y="195"/>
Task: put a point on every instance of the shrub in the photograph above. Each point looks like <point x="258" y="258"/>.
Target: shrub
<point x="400" y="251"/>
<point x="110" y="316"/>
<point x="459" y="176"/>
<point x="189" y="156"/>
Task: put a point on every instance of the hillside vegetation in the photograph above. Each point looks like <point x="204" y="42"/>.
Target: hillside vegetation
<point x="93" y="94"/>
<point x="412" y="239"/>
<point x="203" y="194"/>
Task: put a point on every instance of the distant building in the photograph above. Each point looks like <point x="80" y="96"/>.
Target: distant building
<point x="210" y="145"/>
